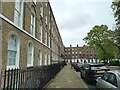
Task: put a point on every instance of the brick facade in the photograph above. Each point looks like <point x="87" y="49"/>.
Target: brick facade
<point x="81" y="53"/>
<point x="51" y="42"/>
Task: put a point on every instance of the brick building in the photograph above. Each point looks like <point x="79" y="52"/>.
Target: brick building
<point x="29" y="35"/>
<point x="83" y="54"/>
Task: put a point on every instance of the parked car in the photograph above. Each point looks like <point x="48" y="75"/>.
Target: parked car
<point x="77" y="66"/>
<point x="110" y="79"/>
<point x="91" y="71"/>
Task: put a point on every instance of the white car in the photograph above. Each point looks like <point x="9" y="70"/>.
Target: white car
<point x="110" y="80"/>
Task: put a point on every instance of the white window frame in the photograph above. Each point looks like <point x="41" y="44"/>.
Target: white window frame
<point x="45" y="58"/>
<point x="34" y="1"/>
<point x="72" y="52"/>
<point x="49" y="59"/>
<point x="72" y="56"/>
<point x="41" y="10"/>
<point x="46" y="4"/>
<point x="40" y="30"/>
<point x="39" y="57"/>
<point x="32" y="25"/>
<point x="45" y="37"/>
<point x="30" y="54"/>
<point x="49" y="41"/>
<point x="18" y="13"/>
<point x="49" y="12"/>
<point x="46" y="19"/>
<point x="12" y="49"/>
<point x="76" y="57"/>
<point x="49" y="26"/>
<point x="76" y="52"/>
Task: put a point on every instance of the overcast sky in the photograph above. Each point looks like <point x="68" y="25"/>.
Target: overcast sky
<point x="75" y="18"/>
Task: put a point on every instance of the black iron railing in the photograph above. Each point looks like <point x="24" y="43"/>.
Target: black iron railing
<point x="32" y="77"/>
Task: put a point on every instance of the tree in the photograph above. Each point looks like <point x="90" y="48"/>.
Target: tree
<point x="116" y="9"/>
<point x="99" y="38"/>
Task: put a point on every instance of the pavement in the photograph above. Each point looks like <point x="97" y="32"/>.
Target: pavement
<point x="67" y="78"/>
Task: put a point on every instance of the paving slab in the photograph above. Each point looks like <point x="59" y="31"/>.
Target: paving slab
<point x="67" y="78"/>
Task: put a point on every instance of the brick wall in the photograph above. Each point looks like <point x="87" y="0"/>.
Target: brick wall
<point x="8" y="28"/>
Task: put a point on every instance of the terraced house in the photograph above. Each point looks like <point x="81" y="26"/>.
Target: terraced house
<point x="81" y="53"/>
<point x="29" y="35"/>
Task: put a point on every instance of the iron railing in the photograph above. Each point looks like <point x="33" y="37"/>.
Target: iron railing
<point x="29" y="78"/>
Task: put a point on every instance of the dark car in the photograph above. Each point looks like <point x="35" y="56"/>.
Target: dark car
<point x="91" y="71"/>
<point x="77" y="66"/>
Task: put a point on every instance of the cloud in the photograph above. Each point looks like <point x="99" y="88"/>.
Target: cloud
<point x="76" y="18"/>
<point x="76" y="21"/>
<point x="74" y="37"/>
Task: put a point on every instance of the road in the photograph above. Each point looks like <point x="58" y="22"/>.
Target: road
<point x="113" y="67"/>
<point x="91" y="86"/>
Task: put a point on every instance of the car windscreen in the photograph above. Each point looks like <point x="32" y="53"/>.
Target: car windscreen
<point x="99" y="65"/>
<point x="95" y="67"/>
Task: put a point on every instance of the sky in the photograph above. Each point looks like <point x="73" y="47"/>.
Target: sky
<point x="75" y="18"/>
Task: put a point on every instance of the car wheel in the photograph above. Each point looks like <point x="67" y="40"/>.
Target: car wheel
<point x="87" y="79"/>
<point x="97" y="88"/>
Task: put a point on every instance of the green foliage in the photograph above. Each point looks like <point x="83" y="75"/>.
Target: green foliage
<point x="97" y="35"/>
<point x="116" y="9"/>
<point x="99" y="38"/>
<point x="114" y="63"/>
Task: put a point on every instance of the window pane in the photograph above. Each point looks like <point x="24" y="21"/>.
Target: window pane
<point x="29" y="58"/>
<point x="32" y="29"/>
<point x="9" y="61"/>
<point x="34" y="1"/>
<point x="32" y="24"/>
<point x="46" y="19"/>
<point x="17" y="12"/>
<point x="39" y="58"/>
<point x="105" y="76"/>
<point x="9" y="53"/>
<point x="112" y="79"/>
<point x="14" y="54"/>
<point x="41" y="10"/>
<point x="13" y="61"/>
<point x="17" y="18"/>
<point x="12" y="50"/>
<point x="18" y="6"/>
<point x="49" y="25"/>
<point x="32" y="19"/>
<point x="30" y="53"/>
